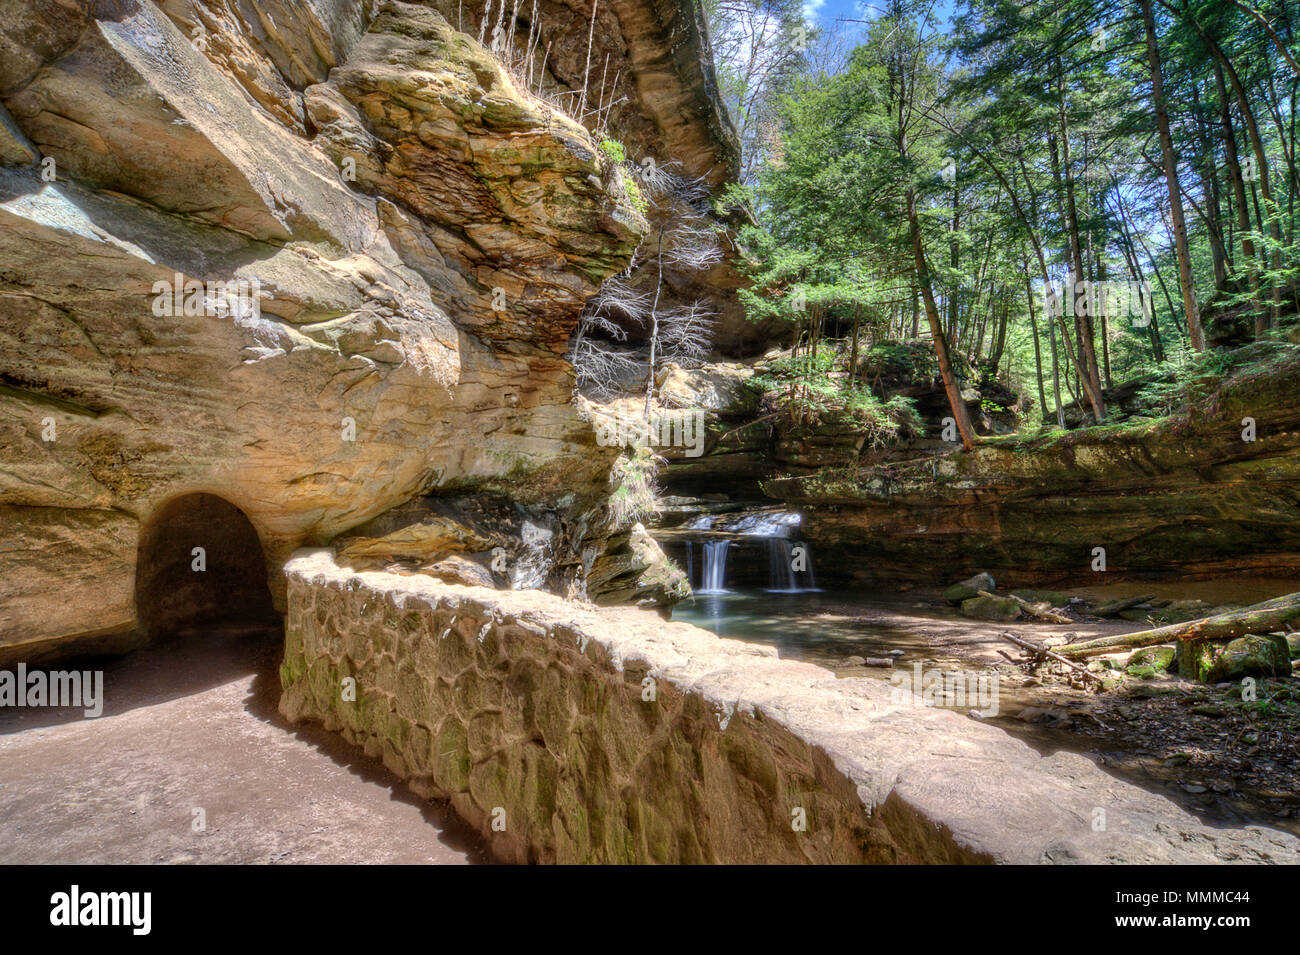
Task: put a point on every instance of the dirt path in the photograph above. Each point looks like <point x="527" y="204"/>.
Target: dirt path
<point x="194" y="725"/>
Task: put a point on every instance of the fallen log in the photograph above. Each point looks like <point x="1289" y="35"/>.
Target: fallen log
<point x="1039" y="611"/>
<point x="1266" y="617"/>
<point x="1114" y="607"/>
<point x="1035" y="648"/>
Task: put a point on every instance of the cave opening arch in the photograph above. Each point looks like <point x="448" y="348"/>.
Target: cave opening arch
<point x="200" y="563"/>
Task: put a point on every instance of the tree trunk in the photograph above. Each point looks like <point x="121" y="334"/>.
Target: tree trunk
<point x="1033" y="325"/>
<point x="1194" y="331"/>
<point x="1210" y="186"/>
<point x="1234" y="178"/>
<point x="1262" y="323"/>
<point x="940" y="343"/>
<point x="853" y="350"/>
<point x="1267" y="617"/>
<point x="1085" y="352"/>
<point x="954" y="259"/>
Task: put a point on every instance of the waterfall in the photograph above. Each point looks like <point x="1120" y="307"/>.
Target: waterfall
<point x="714" y="576"/>
<point x="790" y="571"/>
<point x="780" y="576"/>
<point x="790" y="562"/>
<point x="534" y="565"/>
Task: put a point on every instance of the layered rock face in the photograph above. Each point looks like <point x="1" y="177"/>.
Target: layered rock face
<point x="313" y="258"/>
<point x="569" y="734"/>
<point x="1212" y="491"/>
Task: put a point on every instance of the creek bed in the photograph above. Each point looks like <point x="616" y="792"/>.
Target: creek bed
<point x="1220" y="780"/>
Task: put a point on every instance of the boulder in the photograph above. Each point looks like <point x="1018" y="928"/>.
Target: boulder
<point x="1161" y="658"/>
<point x="999" y="609"/>
<point x="455" y="569"/>
<point x="1250" y="656"/>
<point x="634" y="569"/>
<point x="969" y="588"/>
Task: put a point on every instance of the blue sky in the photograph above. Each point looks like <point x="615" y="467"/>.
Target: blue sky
<point x="825" y="12"/>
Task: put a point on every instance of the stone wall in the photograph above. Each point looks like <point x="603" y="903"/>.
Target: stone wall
<point x="565" y="733"/>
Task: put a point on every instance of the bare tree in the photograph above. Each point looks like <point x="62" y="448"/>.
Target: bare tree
<point x="685" y="242"/>
<point x="601" y="361"/>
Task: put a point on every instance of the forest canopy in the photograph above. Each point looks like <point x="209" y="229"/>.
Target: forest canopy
<point x="1063" y="194"/>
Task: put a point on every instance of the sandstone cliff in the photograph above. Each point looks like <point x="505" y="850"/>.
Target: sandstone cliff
<point x="317" y="259"/>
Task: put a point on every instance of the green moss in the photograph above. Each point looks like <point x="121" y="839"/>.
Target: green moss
<point x="613" y="151"/>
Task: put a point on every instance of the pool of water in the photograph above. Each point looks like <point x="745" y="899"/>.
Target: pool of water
<point x="813" y="626"/>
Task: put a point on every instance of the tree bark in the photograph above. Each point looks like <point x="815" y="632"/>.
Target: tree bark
<point x="1267" y="617"/>
<point x="1033" y="325"/>
<point x="940" y="343"/>
<point x="1195" y="333"/>
<point x="1235" y="179"/>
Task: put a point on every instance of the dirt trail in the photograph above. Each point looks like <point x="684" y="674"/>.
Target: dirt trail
<point x="193" y="724"/>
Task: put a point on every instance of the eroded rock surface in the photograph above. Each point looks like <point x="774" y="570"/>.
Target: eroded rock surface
<point x="376" y="183"/>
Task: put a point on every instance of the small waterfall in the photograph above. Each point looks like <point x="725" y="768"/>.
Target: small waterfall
<point x="762" y="524"/>
<point x="780" y="576"/>
<point x="534" y="565"/>
<point x="790" y="566"/>
<point x="714" y="577"/>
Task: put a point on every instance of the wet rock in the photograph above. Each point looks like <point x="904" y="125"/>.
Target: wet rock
<point x="1053" y="597"/>
<point x="998" y="609"/>
<point x="969" y="588"/>
<point x="1142" y="672"/>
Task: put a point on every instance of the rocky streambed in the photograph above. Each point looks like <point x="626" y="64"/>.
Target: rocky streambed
<point x="1222" y="755"/>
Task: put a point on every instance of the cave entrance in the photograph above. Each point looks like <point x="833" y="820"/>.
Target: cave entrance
<point x="200" y="564"/>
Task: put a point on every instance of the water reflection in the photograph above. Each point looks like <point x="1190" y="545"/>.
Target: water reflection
<point x="807" y="625"/>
